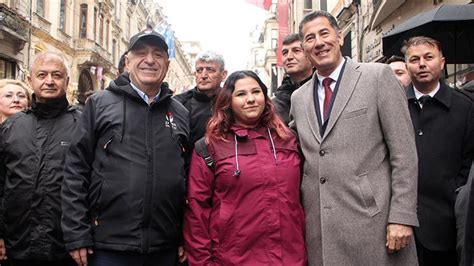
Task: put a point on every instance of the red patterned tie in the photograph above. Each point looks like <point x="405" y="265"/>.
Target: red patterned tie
<point x="327" y="96"/>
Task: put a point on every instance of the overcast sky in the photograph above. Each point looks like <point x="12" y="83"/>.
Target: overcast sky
<point x="220" y="25"/>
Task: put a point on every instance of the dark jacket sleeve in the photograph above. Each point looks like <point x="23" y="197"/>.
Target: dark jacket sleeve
<point x="468" y="149"/>
<point x="198" y="212"/>
<point x="2" y="181"/>
<point x="75" y="221"/>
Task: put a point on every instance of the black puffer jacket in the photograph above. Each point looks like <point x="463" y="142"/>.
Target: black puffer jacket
<point x="124" y="184"/>
<point x="32" y="151"/>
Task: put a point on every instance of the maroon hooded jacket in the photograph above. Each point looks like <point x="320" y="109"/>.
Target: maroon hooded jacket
<point x="246" y="210"/>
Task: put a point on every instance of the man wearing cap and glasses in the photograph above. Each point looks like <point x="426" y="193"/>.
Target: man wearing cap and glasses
<point x="124" y="187"/>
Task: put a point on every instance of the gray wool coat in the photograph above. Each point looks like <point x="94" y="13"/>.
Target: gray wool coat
<point x="361" y="174"/>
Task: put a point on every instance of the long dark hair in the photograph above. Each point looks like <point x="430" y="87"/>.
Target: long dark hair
<point x="223" y="117"/>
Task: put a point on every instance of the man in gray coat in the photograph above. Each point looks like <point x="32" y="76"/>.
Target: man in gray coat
<point x="360" y="174"/>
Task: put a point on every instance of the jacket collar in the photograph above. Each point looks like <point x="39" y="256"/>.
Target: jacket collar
<point x="123" y="86"/>
<point x="202" y="97"/>
<point x="443" y="95"/>
<point x="244" y="132"/>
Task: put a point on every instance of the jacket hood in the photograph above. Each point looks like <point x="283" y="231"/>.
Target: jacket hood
<point x="122" y="85"/>
<point x="202" y="97"/>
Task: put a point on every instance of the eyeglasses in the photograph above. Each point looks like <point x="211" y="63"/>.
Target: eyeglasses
<point x="11" y="96"/>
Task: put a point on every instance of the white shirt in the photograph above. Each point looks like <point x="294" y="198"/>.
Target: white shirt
<point x="418" y="94"/>
<point x="334" y="76"/>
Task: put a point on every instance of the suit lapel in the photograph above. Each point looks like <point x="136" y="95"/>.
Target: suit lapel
<point x="346" y="86"/>
<point x="309" y="104"/>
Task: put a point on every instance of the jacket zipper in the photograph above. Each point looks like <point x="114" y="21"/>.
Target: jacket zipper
<point x="149" y="183"/>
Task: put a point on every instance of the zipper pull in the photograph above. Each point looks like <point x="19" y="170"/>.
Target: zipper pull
<point x="107" y="143"/>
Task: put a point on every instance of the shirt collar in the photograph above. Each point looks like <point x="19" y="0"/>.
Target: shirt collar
<point x="143" y="95"/>
<point x="442" y="94"/>
<point x="418" y="94"/>
<point x="335" y="74"/>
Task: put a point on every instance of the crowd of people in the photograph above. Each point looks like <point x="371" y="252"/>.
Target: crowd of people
<point x="348" y="164"/>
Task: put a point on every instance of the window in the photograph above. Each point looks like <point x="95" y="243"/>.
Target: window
<point x="101" y="29"/>
<point x="107" y="28"/>
<point x="308" y="4"/>
<point x="117" y="9"/>
<point x="127" y="27"/>
<point x="83" y="22"/>
<point x="114" y="51"/>
<point x="7" y="69"/>
<point x="40" y="7"/>
<point x="274" y="78"/>
<point x="62" y="15"/>
<point x="95" y="24"/>
<point x="274" y="39"/>
<point x="13" y="4"/>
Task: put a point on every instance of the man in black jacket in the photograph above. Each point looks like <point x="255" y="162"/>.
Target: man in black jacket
<point x="124" y="188"/>
<point x="443" y="120"/>
<point x="33" y="146"/>
<point x="209" y="74"/>
<point x="298" y="69"/>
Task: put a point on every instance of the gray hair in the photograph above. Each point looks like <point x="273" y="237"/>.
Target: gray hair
<point x="314" y="15"/>
<point x="53" y="54"/>
<point x="211" y="56"/>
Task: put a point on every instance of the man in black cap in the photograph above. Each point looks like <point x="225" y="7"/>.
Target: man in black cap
<point x="124" y="187"/>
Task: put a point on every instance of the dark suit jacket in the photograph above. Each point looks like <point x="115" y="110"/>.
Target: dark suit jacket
<point x="444" y="140"/>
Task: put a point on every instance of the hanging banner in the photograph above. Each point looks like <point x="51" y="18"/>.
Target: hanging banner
<point x="99" y="71"/>
<point x="265" y="4"/>
<point x="164" y="29"/>
<point x="283" y="30"/>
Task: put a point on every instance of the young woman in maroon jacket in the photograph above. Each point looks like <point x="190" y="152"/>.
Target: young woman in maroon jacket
<point x="245" y="209"/>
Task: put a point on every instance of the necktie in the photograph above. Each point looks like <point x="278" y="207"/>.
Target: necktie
<point x="327" y="96"/>
<point x="423" y="99"/>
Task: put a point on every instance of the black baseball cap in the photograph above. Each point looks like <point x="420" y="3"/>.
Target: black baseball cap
<point x="151" y="34"/>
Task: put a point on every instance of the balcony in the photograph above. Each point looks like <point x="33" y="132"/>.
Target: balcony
<point x="91" y="53"/>
<point x="64" y="37"/>
<point x="41" y="23"/>
<point x="383" y="9"/>
<point x="14" y="24"/>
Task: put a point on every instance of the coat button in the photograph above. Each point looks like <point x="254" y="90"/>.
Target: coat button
<point x="322" y="153"/>
<point x="322" y="180"/>
<point x="419" y="132"/>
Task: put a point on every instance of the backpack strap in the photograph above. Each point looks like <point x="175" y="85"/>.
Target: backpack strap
<point x="202" y="150"/>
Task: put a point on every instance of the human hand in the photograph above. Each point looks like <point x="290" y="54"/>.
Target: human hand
<point x="398" y="236"/>
<point x="3" y="250"/>
<point x="182" y="256"/>
<point x="80" y="255"/>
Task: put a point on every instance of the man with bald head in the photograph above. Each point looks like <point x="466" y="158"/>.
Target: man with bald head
<point x="33" y="144"/>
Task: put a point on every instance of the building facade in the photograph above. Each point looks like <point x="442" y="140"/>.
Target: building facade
<point x="363" y="23"/>
<point x="14" y="35"/>
<point x="91" y="34"/>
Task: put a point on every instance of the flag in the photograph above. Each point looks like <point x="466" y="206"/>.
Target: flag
<point x="164" y="29"/>
<point x="265" y="4"/>
<point x="283" y="29"/>
<point x="99" y="71"/>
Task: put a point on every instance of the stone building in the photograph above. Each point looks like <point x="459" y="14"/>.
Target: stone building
<point x="91" y="34"/>
<point x="365" y="22"/>
<point x="14" y="35"/>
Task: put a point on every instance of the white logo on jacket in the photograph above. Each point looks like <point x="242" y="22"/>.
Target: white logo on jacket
<point x="169" y="120"/>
